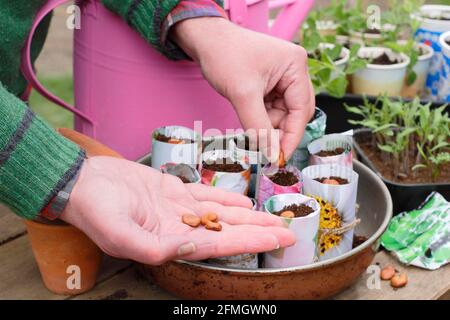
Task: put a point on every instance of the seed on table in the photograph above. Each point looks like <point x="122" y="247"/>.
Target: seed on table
<point x="387" y="273"/>
<point x="191" y="220"/>
<point x="212" y="217"/>
<point x="399" y="280"/>
<point x="287" y="214"/>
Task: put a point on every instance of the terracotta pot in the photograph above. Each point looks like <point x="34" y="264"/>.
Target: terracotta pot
<point x="60" y="249"/>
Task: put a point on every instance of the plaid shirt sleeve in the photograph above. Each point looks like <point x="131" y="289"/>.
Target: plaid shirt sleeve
<point x="187" y="9"/>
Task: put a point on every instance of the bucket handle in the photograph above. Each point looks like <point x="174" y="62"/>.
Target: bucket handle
<point x="287" y="22"/>
<point x="290" y="17"/>
<point x="27" y="66"/>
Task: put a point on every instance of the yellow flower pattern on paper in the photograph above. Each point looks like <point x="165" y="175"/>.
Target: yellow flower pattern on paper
<point x="329" y="219"/>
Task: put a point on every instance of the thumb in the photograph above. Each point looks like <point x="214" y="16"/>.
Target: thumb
<point x="252" y="113"/>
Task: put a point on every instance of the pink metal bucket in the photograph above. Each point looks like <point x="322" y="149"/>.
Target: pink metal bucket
<point x="124" y="89"/>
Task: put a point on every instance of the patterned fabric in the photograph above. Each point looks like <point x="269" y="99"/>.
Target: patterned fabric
<point x="188" y="9"/>
<point x="35" y="161"/>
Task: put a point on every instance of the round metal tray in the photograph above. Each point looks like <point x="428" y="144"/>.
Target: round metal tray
<point x="196" y="280"/>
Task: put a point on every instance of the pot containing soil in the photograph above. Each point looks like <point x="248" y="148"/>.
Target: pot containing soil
<point x="61" y="252"/>
<point x="246" y="152"/>
<point x="274" y="181"/>
<point x="336" y="186"/>
<point x="407" y="192"/>
<point x="198" y="280"/>
<point x="434" y="20"/>
<point x="332" y="148"/>
<point x="340" y="61"/>
<point x="417" y="88"/>
<point x="444" y="85"/>
<point x="384" y="73"/>
<point x="370" y="37"/>
<point x="248" y="261"/>
<point x="220" y="169"/>
<point x="301" y="214"/>
<point x="184" y="172"/>
<point x="175" y="144"/>
<point x="314" y="130"/>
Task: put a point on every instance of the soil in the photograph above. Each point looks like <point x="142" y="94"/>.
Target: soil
<point x="184" y="179"/>
<point x="300" y="210"/>
<point x="163" y="138"/>
<point x="372" y="31"/>
<point x="317" y="54"/>
<point x="223" y="165"/>
<point x="330" y="153"/>
<point x="246" y="144"/>
<point x="358" y="240"/>
<point x="284" y="178"/>
<point x="338" y="179"/>
<point x="382" y="60"/>
<point x="386" y="170"/>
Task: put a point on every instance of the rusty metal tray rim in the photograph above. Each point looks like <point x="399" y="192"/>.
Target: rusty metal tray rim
<point x="372" y="241"/>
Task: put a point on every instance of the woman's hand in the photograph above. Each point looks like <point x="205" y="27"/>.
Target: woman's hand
<point x="266" y="79"/>
<point x="133" y="211"/>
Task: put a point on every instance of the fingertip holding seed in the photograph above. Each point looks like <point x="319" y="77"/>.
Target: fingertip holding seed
<point x="387" y="273"/>
<point x="399" y="280"/>
<point x="281" y="160"/>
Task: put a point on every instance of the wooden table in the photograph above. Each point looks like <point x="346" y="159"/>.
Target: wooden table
<point x="119" y="279"/>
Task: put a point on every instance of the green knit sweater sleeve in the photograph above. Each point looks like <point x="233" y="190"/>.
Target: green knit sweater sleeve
<point x="35" y="161"/>
<point x="148" y="18"/>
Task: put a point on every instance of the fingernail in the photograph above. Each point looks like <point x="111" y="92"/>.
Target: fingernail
<point x="186" y="249"/>
<point x="277" y="247"/>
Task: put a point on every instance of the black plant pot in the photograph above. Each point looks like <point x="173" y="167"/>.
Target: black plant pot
<point x="405" y="196"/>
<point x="337" y="116"/>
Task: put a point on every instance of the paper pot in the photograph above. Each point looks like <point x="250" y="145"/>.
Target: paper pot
<point x="366" y="38"/>
<point x="417" y="88"/>
<point x="268" y="188"/>
<point x="183" y="171"/>
<point x="241" y="261"/>
<point x="429" y="32"/>
<point x="306" y="229"/>
<point x="248" y="156"/>
<point x="165" y="152"/>
<point x="342" y="197"/>
<point x="314" y="130"/>
<point x="331" y="142"/>
<point x="231" y="181"/>
<point x="444" y="84"/>
<point x="379" y="79"/>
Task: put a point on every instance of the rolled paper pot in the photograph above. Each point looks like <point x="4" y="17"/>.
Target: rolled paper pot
<point x="241" y="261"/>
<point x="231" y="181"/>
<point x="306" y="230"/>
<point x="248" y="156"/>
<point x="268" y="188"/>
<point x="330" y="142"/>
<point x="314" y="130"/>
<point x="182" y="170"/>
<point x="165" y="152"/>
<point x="342" y="197"/>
